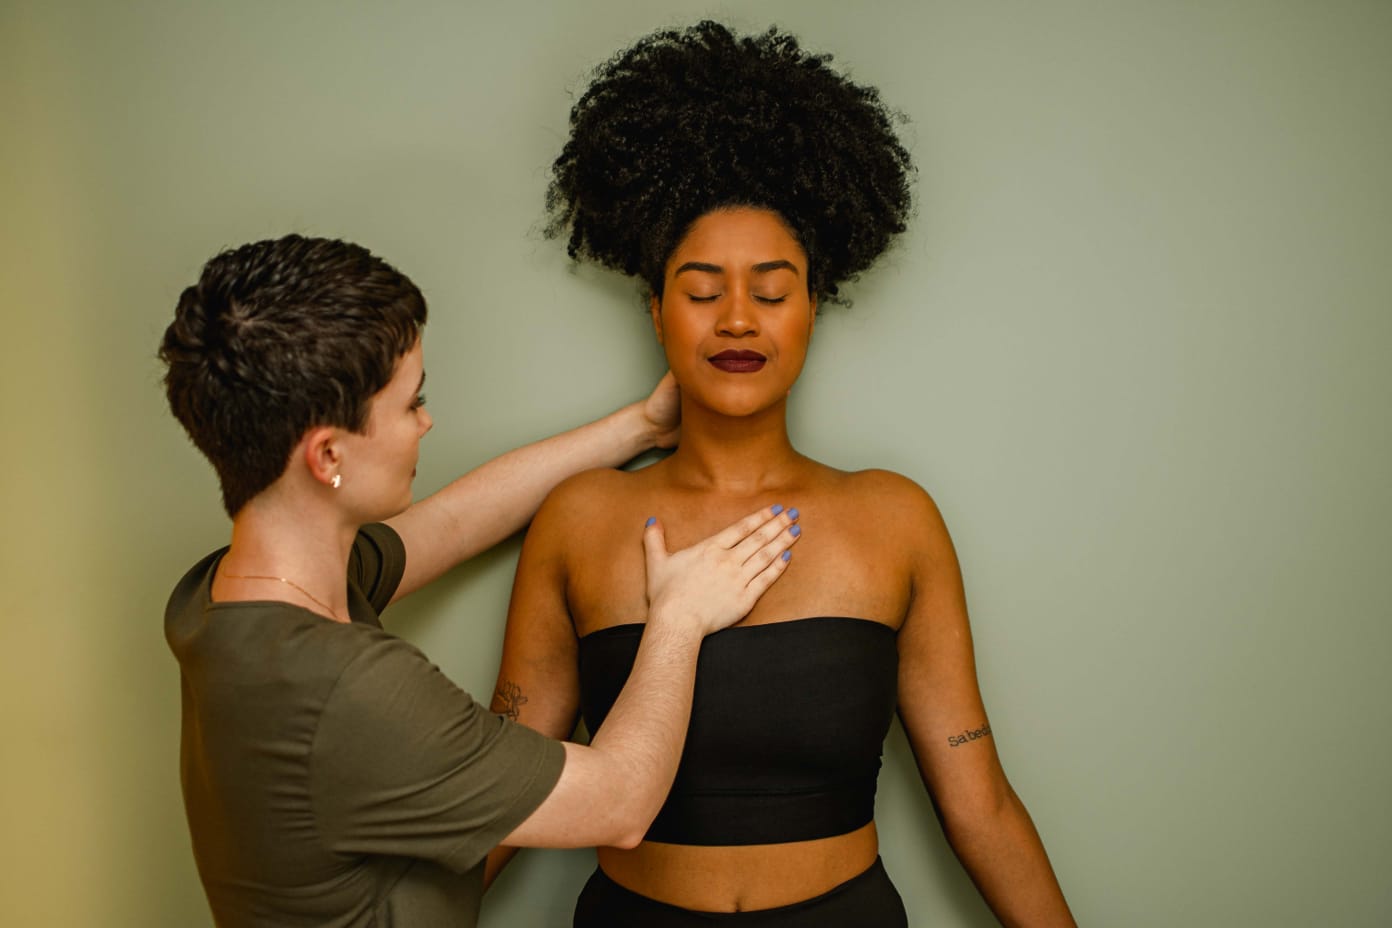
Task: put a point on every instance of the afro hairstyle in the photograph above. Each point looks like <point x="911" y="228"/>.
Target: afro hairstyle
<point x="689" y="121"/>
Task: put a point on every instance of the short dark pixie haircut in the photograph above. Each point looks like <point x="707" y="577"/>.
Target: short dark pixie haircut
<point x="278" y="337"/>
<point x="687" y="122"/>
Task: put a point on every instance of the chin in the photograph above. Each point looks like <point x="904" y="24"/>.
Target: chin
<point x="740" y="410"/>
<point x="740" y="403"/>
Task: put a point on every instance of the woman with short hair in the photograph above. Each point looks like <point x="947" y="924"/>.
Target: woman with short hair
<point x="331" y="774"/>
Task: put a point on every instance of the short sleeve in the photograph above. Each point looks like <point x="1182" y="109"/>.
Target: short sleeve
<point x="405" y="763"/>
<point x="376" y="563"/>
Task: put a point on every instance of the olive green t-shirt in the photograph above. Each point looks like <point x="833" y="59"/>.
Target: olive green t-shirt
<point x="332" y="775"/>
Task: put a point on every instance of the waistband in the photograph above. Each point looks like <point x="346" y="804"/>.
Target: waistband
<point x="868" y="900"/>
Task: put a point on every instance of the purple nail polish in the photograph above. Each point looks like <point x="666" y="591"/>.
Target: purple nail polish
<point x="777" y="508"/>
<point x="793" y="514"/>
<point x="795" y="531"/>
<point x="651" y="520"/>
<point x="787" y="555"/>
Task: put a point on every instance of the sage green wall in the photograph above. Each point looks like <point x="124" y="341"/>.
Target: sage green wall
<point x="1136" y="343"/>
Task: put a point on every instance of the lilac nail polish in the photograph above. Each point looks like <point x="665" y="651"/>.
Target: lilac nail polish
<point x="793" y="514"/>
<point x="787" y="555"/>
<point x="777" y="508"/>
<point x="795" y="531"/>
<point x="651" y="520"/>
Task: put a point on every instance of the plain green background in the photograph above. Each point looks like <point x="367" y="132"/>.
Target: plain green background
<point x="1136" y="344"/>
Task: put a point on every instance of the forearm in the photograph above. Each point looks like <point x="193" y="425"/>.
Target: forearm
<point x="642" y="737"/>
<point x="1003" y="854"/>
<point x="496" y="499"/>
<point x="610" y="791"/>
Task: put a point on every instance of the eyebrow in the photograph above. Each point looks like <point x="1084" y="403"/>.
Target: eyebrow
<point x="763" y="267"/>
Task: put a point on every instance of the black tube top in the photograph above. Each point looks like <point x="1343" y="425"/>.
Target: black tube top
<point x="787" y="727"/>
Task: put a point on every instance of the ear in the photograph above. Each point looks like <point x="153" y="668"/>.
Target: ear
<point x="655" y="310"/>
<point x="322" y="455"/>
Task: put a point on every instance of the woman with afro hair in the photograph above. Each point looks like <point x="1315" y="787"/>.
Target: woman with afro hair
<point x="742" y="180"/>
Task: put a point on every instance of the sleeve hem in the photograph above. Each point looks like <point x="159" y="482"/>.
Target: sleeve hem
<point x="536" y="786"/>
<point x="393" y="551"/>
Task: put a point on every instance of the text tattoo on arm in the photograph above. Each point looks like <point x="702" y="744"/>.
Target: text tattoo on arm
<point x="970" y="734"/>
<point x="509" y="699"/>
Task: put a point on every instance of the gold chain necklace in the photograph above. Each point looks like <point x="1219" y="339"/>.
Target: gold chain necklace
<point x="317" y="601"/>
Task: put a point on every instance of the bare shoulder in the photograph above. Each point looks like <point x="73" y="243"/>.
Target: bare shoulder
<point x="589" y="510"/>
<point x="884" y="484"/>
<point x="892" y="500"/>
<point x="585" y="493"/>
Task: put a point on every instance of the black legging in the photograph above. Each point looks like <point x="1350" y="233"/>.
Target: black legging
<point x="866" y="901"/>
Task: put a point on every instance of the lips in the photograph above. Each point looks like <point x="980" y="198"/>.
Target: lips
<point x="734" y="361"/>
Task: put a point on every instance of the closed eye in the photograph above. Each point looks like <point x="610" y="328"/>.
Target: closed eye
<point x="703" y="299"/>
<point x="771" y="299"/>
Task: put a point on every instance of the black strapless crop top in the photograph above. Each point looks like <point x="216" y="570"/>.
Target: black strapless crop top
<point x="787" y="727"/>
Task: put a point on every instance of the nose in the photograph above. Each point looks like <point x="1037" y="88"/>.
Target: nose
<point x="737" y="317"/>
<point x="426" y="422"/>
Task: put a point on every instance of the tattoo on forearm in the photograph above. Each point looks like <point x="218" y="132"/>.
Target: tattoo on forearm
<point x="956" y="741"/>
<point x="509" y="699"/>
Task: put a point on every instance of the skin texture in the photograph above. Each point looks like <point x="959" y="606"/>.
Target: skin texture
<point x="876" y="549"/>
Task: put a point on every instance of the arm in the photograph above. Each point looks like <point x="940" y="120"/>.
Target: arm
<point x="941" y="709"/>
<point x="496" y="499"/>
<point x="610" y="791"/>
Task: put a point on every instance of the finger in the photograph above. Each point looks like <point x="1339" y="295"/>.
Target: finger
<point x="775" y="548"/>
<point x="766" y="533"/>
<point x="732" y="535"/>
<point x="766" y="577"/>
<point x="654" y="545"/>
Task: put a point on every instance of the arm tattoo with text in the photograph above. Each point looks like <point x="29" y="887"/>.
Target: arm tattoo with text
<point x="970" y="734"/>
<point x="508" y="699"/>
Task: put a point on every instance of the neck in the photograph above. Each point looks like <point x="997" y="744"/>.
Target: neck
<point x="734" y="455"/>
<point x="303" y="544"/>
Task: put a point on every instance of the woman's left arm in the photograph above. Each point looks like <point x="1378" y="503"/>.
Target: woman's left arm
<point x="496" y="499"/>
<point x="942" y="712"/>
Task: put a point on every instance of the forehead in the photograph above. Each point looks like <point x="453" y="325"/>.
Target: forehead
<point x="739" y="237"/>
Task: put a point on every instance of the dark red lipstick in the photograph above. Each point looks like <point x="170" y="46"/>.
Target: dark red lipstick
<point x="734" y="361"/>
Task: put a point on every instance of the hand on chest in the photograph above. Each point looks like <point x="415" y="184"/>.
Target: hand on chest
<point x="838" y="568"/>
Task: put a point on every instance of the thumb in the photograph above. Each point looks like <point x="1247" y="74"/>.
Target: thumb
<point x="654" y="545"/>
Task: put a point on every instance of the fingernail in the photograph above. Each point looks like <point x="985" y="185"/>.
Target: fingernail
<point x="795" y="531"/>
<point x="777" y="508"/>
<point x="651" y="520"/>
<point x="787" y="555"/>
<point x="792" y="514"/>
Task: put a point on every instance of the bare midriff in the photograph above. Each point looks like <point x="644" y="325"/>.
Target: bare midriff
<point x="741" y="878"/>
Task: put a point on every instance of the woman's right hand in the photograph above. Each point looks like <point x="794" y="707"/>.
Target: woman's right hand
<point x="716" y="582"/>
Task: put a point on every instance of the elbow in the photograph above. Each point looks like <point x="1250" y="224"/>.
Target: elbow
<point x="634" y="814"/>
<point x="635" y="820"/>
<point x="630" y="839"/>
<point x="625" y="831"/>
<point x="975" y="810"/>
<point x="618" y="801"/>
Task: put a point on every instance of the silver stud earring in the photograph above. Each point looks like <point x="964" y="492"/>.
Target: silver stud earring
<point x="337" y="481"/>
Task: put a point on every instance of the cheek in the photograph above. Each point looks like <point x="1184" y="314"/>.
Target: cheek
<point x="795" y="338"/>
<point x="678" y="339"/>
